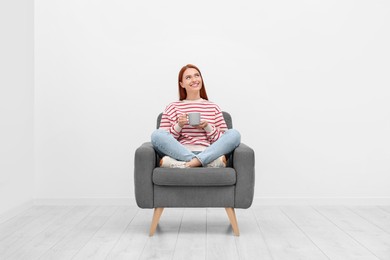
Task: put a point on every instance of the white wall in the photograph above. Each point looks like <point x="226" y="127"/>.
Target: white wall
<point x="306" y="82"/>
<point x="16" y="103"/>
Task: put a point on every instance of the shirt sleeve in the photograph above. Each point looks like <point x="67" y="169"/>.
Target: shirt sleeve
<point x="169" y="121"/>
<point x="214" y="132"/>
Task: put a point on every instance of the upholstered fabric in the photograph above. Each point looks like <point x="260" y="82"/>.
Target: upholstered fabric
<point x="232" y="186"/>
<point x="144" y="164"/>
<point x="244" y="164"/>
<point x="194" y="176"/>
<point x="191" y="197"/>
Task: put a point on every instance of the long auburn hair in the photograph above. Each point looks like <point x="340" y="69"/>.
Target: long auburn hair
<point x="182" y="91"/>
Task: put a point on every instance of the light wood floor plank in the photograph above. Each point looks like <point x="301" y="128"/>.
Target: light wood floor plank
<point x="385" y="208"/>
<point x="106" y="237"/>
<point x="12" y="225"/>
<point x="26" y="233"/>
<point x="193" y="225"/>
<point x="80" y="234"/>
<point x="370" y="236"/>
<point x="133" y="240"/>
<point x="162" y="244"/>
<point x="250" y="243"/>
<point x="375" y="215"/>
<point x="8" y="215"/>
<point x="220" y="239"/>
<point x="52" y="234"/>
<point x="335" y="243"/>
<point x="284" y="239"/>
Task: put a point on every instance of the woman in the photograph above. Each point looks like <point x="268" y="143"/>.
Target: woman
<point x="187" y="146"/>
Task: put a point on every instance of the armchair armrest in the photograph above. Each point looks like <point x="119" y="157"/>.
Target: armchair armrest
<point x="244" y="164"/>
<point x="144" y="163"/>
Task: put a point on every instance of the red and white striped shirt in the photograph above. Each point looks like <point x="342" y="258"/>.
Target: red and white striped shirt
<point x="191" y="136"/>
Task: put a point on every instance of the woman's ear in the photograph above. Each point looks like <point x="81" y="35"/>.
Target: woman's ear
<point x="181" y="84"/>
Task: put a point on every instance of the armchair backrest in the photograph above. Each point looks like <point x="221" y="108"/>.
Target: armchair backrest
<point x="226" y="116"/>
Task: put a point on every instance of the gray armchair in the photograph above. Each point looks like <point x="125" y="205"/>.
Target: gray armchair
<point x="231" y="187"/>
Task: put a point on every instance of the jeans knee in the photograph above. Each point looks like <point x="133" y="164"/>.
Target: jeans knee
<point x="235" y="134"/>
<point x="157" y="135"/>
<point x="235" y="137"/>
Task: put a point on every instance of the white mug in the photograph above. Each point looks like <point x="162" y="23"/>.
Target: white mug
<point x="194" y="118"/>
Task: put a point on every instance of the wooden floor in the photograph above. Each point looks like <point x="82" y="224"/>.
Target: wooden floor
<point x="112" y="232"/>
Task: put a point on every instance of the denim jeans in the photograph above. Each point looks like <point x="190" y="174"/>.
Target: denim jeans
<point x="164" y="143"/>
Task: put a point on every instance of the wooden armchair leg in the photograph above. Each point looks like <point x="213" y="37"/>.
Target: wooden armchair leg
<point x="156" y="217"/>
<point x="233" y="220"/>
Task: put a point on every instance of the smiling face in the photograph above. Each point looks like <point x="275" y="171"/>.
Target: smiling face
<point x="191" y="82"/>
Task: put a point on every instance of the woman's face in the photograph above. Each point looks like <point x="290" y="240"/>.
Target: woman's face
<point x="191" y="81"/>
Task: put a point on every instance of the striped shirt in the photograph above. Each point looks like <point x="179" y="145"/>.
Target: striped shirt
<point x="191" y="136"/>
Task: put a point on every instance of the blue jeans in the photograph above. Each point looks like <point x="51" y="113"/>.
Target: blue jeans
<point x="166" y="144"/>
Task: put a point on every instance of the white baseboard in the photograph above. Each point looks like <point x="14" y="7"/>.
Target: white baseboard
<point x="258" y="201"/>
<point x="86" y="201"/>
<point x="325" y="201"/>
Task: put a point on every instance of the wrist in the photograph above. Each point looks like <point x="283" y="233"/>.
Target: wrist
<point x="208" y="128"/>
<point x="177" y="127"/>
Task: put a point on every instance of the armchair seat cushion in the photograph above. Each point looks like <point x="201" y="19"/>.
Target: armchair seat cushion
<point x="194" y="176"/>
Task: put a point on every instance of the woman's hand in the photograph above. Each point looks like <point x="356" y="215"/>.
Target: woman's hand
<point x="202" y="125"/>
<point x="182" y="120"/>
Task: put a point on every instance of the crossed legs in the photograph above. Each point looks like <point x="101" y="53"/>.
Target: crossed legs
<point x="166" y="144"/>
